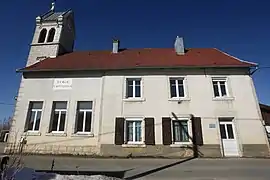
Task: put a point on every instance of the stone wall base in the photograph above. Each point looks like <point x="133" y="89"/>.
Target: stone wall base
<point x="53" y="149"/>
<point x="255" y="150"/>
<point x="159" y="151"/>
<point x="110" y="150"/>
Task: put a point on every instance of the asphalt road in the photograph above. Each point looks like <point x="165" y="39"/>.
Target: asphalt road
<point x="167" y="169"/>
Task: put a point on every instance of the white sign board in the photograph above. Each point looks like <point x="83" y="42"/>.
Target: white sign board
<point x="60" y="84"/>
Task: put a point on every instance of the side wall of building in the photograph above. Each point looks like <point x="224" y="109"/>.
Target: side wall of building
<point x="43" y="141"/>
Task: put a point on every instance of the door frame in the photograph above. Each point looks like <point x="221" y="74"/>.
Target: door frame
<point x="228" y="120"/>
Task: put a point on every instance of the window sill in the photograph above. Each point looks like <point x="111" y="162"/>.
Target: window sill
<point x="82" y="135"/>
<point x="32" y="133"/>
<point x="133" y="145"/>
<point x="181" y="145"/>
<point x="134" y="99"/>
<point x="56" y="134"/>
<point x="179" y="99"/>
<point x="223" y="98"/>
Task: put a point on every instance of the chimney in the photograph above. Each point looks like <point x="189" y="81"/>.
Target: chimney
<point x="115" y="46"/>
<point x="179" y="46"/>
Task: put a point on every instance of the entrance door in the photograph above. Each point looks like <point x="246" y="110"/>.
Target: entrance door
<point x="229" y="142"/>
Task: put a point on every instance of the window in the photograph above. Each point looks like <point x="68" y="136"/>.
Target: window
<point x="84" y="117"/>
<point x="133" y="88"/>
<point x="42" y="36"/>
<point x="226" y="129"/>
<point x="34" y="116"/>
<point x="133" y="131"/>
<point x="220" y="87"/>
<point x="180" y="131"/>
<point x="51" y="35"/>
<point x="177" y="87"/>
<point x="59" y="116"/>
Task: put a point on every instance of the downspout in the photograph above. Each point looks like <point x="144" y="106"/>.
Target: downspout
<point x="101" y="111"/>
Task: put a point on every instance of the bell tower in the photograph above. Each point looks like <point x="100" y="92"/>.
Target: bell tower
<point x="54" y="35"/>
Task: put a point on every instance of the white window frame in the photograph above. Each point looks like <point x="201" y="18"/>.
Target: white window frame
<point x="84" y="118"/>
<point x="189" y="130"/>
<point x="142" y="131"/>
<point x="177" y="87"/>
<point x="218" y="80"/>
<point x="133" y="79"/>
<point x="35" y="119"/>
<point x="59" y="117"/>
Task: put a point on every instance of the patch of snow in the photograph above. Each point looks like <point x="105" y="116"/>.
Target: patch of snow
<point x="30" y="174"/>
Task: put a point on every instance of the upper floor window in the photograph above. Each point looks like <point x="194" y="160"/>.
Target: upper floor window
<point x="83" y="122"/>
<point x="133" y="88"/>
<point x="59" y="111"/>
<point x="51" y="35"/>
<point x="220" y="87"/>
<point x="177" y="87"/>
<point x="42" y="36"/>
<point x="33" y="116"/>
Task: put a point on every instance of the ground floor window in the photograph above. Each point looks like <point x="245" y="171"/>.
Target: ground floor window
<point x="180" y="131"/>
<point x="59" y="111"/>
<point x="84" y="117"/>
<point x="133" y="131"/>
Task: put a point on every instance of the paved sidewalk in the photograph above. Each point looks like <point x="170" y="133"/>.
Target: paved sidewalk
<point x="167" y="169"/>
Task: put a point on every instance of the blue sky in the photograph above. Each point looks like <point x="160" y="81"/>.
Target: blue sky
<point x="240" y="28"/>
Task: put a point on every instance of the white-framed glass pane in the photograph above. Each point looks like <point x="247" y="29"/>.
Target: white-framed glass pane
<point x="60" y="105"/>
<point x="222" y="131"/>
<point x="55" y="120"/>
<point x="129" y="130"/>
<point x="88" y="122"/>
<point x="215" y="86"/>
<point x="37" y="105"/>
<point x="138" y="132"/>
<point x="80" y="121"/>
<point x="173" y="88"/>
<point x="87" y="105"/>
<point x="181" y="91"/>
<point x="184" y="132"/>
<point x="180" y="131"/>
<point x="31" y="120"/>
<point x="230" y="131"/>
<point x="38" y="117"/>
<point x="62" y="121"/>
<point x="137" y="91"/>
<point x="223" y="88"/>
<point x="129" y="88"/>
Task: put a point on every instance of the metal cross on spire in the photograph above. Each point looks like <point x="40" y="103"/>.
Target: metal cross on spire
<point x="53" y="6"/>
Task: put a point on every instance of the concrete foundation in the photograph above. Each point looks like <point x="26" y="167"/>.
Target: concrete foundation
<point x="255" y="150"/>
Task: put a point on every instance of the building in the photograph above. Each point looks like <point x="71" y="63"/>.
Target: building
<point x="133" y="102"/>
<point x="265" y="109"/>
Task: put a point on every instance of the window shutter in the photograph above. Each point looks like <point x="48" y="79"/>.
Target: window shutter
<point x="149" y="131"/>
<point x="27" y="121"/>
<point x="119" y="131"/>
<point x="52" y="115"/>
<point x="166" y="131"/>
<point x="197" y="131"/>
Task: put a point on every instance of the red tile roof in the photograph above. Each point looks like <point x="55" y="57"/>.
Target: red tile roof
<point x="138" y="58"/>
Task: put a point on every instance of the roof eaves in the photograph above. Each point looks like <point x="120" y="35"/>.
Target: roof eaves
<point x="251" y="63"/>
<point x="131" y="68"/>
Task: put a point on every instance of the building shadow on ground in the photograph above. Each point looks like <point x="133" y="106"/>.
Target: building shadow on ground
<point x="157" y="169"/>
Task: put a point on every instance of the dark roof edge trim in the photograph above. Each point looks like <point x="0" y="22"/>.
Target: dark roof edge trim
<point x="134" y="68"/>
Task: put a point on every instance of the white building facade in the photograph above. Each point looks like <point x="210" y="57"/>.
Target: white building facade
<point x="150" y="102"/>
